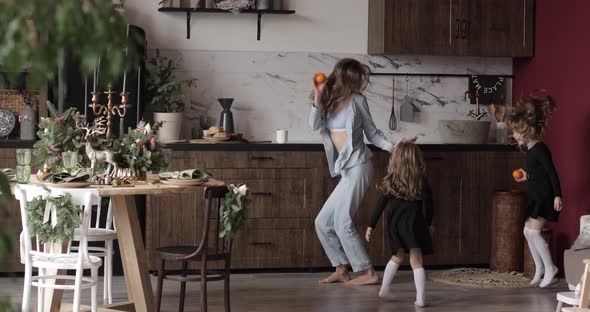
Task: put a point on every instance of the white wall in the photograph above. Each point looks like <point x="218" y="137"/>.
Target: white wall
<point x="317" y="26"/>
<point x="271" y="79"/>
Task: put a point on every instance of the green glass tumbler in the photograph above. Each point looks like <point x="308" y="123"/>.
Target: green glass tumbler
<point x="23" y="174"/>
<point x="23" y="156"/>
<point x="69" y="160"/>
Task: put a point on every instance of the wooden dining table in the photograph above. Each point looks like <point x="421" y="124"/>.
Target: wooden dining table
<point x="131" y="245"/>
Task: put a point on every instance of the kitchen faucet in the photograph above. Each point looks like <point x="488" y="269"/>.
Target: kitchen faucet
<point x="477" y="115"/>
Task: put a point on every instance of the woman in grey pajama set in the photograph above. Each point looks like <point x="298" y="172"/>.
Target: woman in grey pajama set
<point x="341" y="113"/>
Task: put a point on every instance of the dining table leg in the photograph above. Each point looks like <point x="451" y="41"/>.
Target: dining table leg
<point x="133" y="255"/>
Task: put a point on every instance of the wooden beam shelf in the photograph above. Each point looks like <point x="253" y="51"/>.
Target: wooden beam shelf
<point x="190" y="11"/>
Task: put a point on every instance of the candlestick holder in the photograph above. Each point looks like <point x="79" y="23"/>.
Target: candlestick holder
<point x="109" y="109"/>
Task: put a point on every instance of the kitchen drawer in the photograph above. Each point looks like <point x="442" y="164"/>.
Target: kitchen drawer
<point x="278" y="160"/>
<point x="280" y="197"/>
<point x="221" y="160"/>
<point x="271" y="243"/>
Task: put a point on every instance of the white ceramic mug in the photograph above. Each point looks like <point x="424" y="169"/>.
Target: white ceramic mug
<point x="282" y="136"/>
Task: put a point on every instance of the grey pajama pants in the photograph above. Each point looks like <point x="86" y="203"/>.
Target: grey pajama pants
<point x="334" y="226"/>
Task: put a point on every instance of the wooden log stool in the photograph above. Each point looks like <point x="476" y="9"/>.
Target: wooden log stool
<point x="508" y="214"/>
<point x="529" y="263"/>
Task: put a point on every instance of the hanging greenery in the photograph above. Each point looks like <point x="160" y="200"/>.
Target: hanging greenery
<point x="233" y="211"/>
<point x="37" y="34"/>
<point x="68" y="218"/>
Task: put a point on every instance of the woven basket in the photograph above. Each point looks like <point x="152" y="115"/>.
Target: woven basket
<point x="15" y="100"/>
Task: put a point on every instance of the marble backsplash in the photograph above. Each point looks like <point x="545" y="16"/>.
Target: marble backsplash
<point x="271" y="90"/>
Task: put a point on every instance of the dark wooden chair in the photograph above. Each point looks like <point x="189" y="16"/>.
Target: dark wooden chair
<point x="210" y="249"/>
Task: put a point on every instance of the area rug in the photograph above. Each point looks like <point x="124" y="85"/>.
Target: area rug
<point x="480" y="278"/>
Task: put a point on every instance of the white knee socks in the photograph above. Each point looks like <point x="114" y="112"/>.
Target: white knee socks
<point x="420" y="280"/>
<point x="388" y="275"/>
<point x="542" y="248"/>
<point x="536" y="256"/>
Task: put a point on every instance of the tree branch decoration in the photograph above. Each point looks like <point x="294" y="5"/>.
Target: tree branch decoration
<point x="53" y="219"/>
<point x="233" y="210"/>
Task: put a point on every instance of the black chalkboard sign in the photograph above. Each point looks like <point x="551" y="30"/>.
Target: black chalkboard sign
<point x="491" y="89"/>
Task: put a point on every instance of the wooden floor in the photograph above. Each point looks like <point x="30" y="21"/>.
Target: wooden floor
<point x="300" y="292"/>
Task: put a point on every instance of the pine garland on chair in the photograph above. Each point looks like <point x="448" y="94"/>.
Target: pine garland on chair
<point x="68" y="218"/>
<point x="233" y="210"/>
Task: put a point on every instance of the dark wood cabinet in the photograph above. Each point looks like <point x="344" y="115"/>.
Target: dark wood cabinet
<point x="451" y="27"/>
<point x="411" y="27"/>
<point x="497" y="27"/>
<point x="288" y="195"/>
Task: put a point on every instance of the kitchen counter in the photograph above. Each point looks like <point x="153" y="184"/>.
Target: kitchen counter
<point x="316" y="147"/>
<point x="296" y="147"/>
<point x="14" y="143"/>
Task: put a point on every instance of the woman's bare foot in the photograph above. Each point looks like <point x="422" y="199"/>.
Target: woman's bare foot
<point x="369" y="277"/>
<point x="340" y="276"/>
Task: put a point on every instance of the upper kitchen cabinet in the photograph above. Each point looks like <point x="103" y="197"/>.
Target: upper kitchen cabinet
<point x="497" y="27"/>
<point x="451" y="27"/>
<point x="412" y="27"/>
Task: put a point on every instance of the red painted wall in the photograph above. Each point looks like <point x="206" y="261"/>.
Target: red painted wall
<point x="561" y="65"/>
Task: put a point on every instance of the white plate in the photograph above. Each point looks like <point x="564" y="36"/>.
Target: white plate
<point x="187" y="182"/>
<point x="69" y="184"/>
<point x="7" y="122"/>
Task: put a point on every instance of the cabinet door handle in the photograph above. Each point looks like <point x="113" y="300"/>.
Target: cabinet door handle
<point x="457" y="28"/>
<point x="262" y="193"/>
<point x="261" y="158"/>
<point x="465" y="28"/>
<point x="260" y="243"/>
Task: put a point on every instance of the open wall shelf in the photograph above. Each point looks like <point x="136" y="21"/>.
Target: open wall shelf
<point x="190" y="11"/>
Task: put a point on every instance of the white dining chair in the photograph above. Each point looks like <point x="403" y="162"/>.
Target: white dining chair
<point x="51" y="256"/>
<point x="102" y="231"/>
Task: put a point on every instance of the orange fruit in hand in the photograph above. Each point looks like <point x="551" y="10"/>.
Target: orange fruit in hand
<point x="517" y="174"/>
<point x="319" y="78"/>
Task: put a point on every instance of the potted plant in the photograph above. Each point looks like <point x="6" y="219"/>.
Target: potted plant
<point x="164" y="95"/>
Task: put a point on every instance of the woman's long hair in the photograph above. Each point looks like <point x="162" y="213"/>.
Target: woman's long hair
<point x="405" y="173"/>
<point x="531" y="115"/>
<point x="349" y="76"/>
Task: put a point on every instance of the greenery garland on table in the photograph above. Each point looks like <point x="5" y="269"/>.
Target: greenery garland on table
<point x="58" y="134"/>
<point x="68" y="218"/>
<point x="233" y="210"/>
<point x="140" y="150"/>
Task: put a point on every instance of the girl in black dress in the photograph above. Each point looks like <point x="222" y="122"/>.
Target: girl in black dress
<point x="408" y="199"/>
<point x="544" y="195"/>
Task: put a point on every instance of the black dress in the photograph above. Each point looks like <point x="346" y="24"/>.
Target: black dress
<point x="543" y="183"/>
<point x="408" y="221"/>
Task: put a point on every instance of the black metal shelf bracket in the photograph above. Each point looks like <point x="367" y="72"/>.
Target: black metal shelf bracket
<point x="190" y="11"/>
<point x="259" y="22"/>
<point x="188" y="24"/>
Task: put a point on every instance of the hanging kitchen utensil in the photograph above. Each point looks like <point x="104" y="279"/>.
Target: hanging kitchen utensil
<point x="407" y="108"/>
<point x="501" y="113"/>
<point x="392" y="119"/>
<point x="492" y="110"/>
